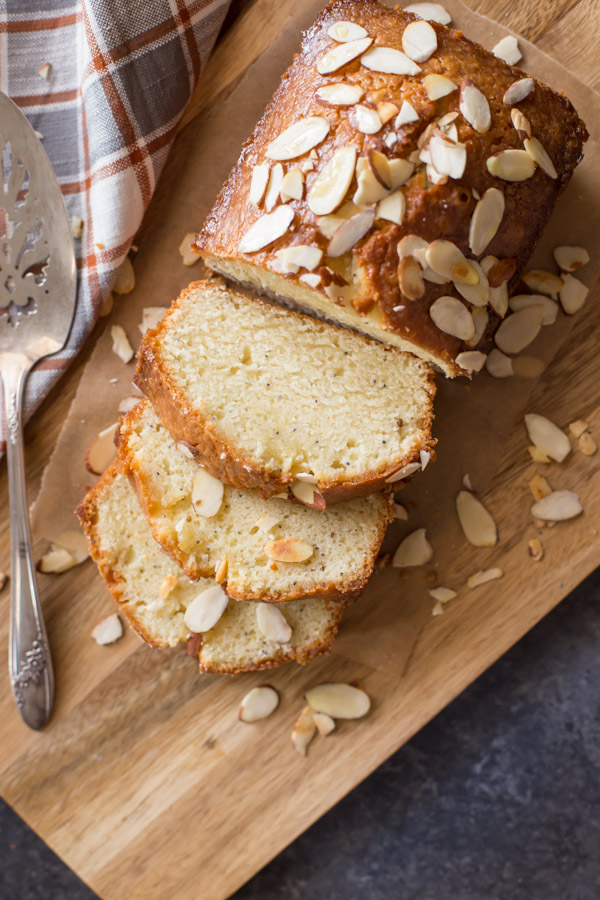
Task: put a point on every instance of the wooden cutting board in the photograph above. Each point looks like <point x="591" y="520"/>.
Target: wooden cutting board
<point x="144" y="782"/>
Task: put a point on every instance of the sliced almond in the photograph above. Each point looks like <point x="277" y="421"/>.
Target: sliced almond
<point x="410" y="278"/>
<point x="483" y="576"/>
<point x="56" y="560"/>
<point x="346" y="31"/>
<point x="442" y="594"/>
<point x="299" y="138"/>
<point x="188" y="450"/>
<point x="303" y="731"/>
<point x="389" y="61"/>
<point x="331" y="184"/>
<point x="539" y="487"/>
<point x="369" y="190"/>
<point x="452" y="317"/>
<point x="308" y="494"/>
<point x="542" y="282"/>
<point x="108" y="630"/>
<point x="151" y="316"/>
<point x="447" y="157"/>
<point x="267" y="522"/>
<point x="538" y="456"/>
<point x="518" y="91"/>
<point x="438" y="609"/>
<point x="477" y="524"/>
<point x="419" y="41"/>
<point x="404" y="472"/>
<point x="274" y="187"/>
<point x="120" y="343"/>
<point x="535" y="549"/>
<point x="44" y="71"/>
<point x="477" y="294"/>
<point x="206" y="609"/>
<point x="75" y="543"/>
<point x="511" y="165"/>
<point x="125" y="281"/>
<point x="266" y="229"/>
<point x="77" y="225"/>
<point x="471" y="360"/>
<point x="586" y="444"/>
<point x="573" y="294"/>
<point x="475" y="107"/>
<point x="292" y="185"/>
<point x="432" y="12"/>
<point x="327" y="225"/>
<point x="386" y="111"/>
<point x="325" y="724"/>
<point x="400" y="171"/>
<point x="340" y="701"/>
<point x="498" y="298"/>
<point x="339" y="94"/>
<point x="524" y="301"/>
<point x="258" y="703"/>
<point x="527" y="366"/>
<point x="365" y="119"/>
<point x="188" y="254"/>
<point x="502" y="271"/>
<point x="311" y="280"/>
<point x="406" y="115"/>
<point x="307" y="477"/>
<point x="508" y="50"/>
<point x="540" y="156"/>
<point x="128" y="403"/>
<point x="221" y="570"/>
<point x="557" y="507"/>
<point x="380" y="165"/>
<point x="392" y="208"/>
<point x="480" y="318"/>
<point x="578" y="427"/>
<point x="290" y="550"/>
<point x="350" y="233"/>
<point x="519" y="329"/>
<point x="400" y="512"/>
<point x="414" y="550"/>
<point x="259" y="182"/>
<point x="207" y="494"/>
<point x="101" y="451"/>
<point x="342" y="54"/>
<point x="413" y="245"/>
<point x="299" y="256"/>
<point x="548" y="437"/>
<point x="569" y="259"/>
<point x="445" y="258"/>
<point x="499" y="365"/>
<point x="521" y="123"/>
<point x="433" y="176"/>
<point x="273" y="623"/>
<point x="437" y="86"/>
<point x="485" y="220"/>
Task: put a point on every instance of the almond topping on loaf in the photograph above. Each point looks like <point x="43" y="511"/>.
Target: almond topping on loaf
<point x="288" y="550"/>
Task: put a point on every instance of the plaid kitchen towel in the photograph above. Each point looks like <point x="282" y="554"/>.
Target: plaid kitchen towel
<point x="104" y="82"/>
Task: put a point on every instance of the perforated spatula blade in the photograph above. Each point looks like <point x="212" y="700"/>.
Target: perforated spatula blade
<point x="37" y="305"/>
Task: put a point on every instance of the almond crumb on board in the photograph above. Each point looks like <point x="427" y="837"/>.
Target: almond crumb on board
<point x="586" y="444"/>
<point x="325" y="724"/>
<point x="303" y="731"/>
<point x="483" y="576"/>
<point x="539" y="487"/>
<point x="442" y="594"/>
<point x="258" y="703"/>
<point x="438" y="609"/>
<point x="578" y="427"/>
<point x="537" y="455"/>
<point x="535" y="549"/>
<point x="108" y="630"/>
<point x="338" y="700"/>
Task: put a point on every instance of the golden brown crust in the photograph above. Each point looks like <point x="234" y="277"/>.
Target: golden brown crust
<point x="228" y="462"/>
<point x="433" y="211"/>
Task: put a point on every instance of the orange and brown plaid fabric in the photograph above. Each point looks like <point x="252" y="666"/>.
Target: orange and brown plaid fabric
<point x="104" y="82"/>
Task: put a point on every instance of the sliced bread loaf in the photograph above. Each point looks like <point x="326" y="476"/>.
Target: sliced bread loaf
<point x="267" y="396"/>
<point x="154" y="594"/>
<point x="241" y="535"/>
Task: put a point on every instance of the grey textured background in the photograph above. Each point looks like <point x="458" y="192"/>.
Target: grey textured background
<point x="497" y="799"/>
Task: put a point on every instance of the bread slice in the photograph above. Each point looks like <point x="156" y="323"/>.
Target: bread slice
<point x="267" y="396"/>
<point x="345" y="538"/>
<point x="138" y="574"/>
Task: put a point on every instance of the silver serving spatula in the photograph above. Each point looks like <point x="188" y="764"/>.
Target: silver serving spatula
<point x="37" y="304"/>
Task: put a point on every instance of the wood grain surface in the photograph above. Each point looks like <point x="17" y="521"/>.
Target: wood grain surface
<point x="124" y="783"/>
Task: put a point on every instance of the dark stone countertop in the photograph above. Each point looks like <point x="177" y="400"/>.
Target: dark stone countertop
<point x="497" y="799"/>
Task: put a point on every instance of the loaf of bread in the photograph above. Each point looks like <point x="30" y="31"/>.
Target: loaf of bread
<point x="268" y="398"/>
<point x="397" y="182"/>
<point x="242" y="535"/>
<point x="153" y="594"/>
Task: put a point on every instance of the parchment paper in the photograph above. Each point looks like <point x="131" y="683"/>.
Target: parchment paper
<point x="474" y="420"/>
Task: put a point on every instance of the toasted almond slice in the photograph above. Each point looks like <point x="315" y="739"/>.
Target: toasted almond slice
<point x="471" y="360"/>
<point x="501" y="271"/>
<point x="548" y="437"/>
<point x="108" y="630"/>
<point x="406" y="115"/>
<point x="542" y="282"/>
<point x="188" y="254"/>
<point x="586" y="444"/>
<point x="266" y="229"/>
<point x="342" y="54"/>
<point x="101" y="451"/>
<point x="483" y="576"/>
<point x="578" y="427"/>
<point x="475" y="107"/>
<point x="573" y="294"/>
<point x="521" y="123"/>
<point x="299" y="256"/>
<point x="273" y="623"/>
<point x="540" y="156"/>
<point x="310" y="279"/>
<point x="380" y="165"/>
<point x="569" y="258"/>
<point x="365" y="119"/>
<point x="524" y="301"/>
<point x="128" y="403"/>
<point x="442" y="594"/>
<point x="432" y="12"/>
<point x="392" y="208"/>
<point x="539" y="487"/>
<point x="511" y="165"/>
<point x="274" y="187"/>
<point x="400" y="172"/>
<point x="207" y="494"/>
<point x="350" y="233"/>
<point x="325" y="724"/>
<point x="518" y="91"/>
<point x="339" y="93"/>
<point x="221" y="570"/>
<point x="535" y="549"/>
<point x="447" y="157"/>
<point x="452" y="317"/>
<point x="389" y="61"/>
<point x="477" y="524"/>
<point x="480" y="318"/>
<point x="404" y="472"/>
<point x="419" y="41"/>
<point x="330" y="186"/>
<point x="340" y="701"/>
<point x="410" y="278"/>
<point x="386" y="111"/>
<point x="307" y="477"/>
<point x="508" y="50"/>
<point x="259" y="182"/>
<point x="538" y="456"/>
<point x="477" y="294"/>
<point x="519" y="329"/>
<point x="425" y="457"/>
<point x="327" y="225"/>
<point x="168" y="586"/>
<point x="433" y="176"/>
<point x="437" y="86"/>
<point x="56" y="560"/>
<point x="258" y="703"/>
<point x="290" y="550"/>
<point x="438" y="609"/>
<point x="299" y="138"/>
<point x="446" y="259"/>
<point x="304" y="731"/>
<point x="557" y="507"/>
<point x="187" y="449"/>
<point x="400" y="512"/>
<point x="346" y="31"/>
<point x="527" y="366"/>
<point x="120" y="343"/>
<point x="434" y="277"/>
<point x="485" y="220"/>
<point x="206" y="609"/>
<point x="151" y="316"/>
<point x="498" y="298"/>
<point x="267" y="522"/>
<point x="499" y="365"/>
<point x="413" y="245"/>
<point x="414" y="550"/>
<point x="369" y="190"/>
<point x="292" y="185"/>
<point x="308" y="494"/>
<point x="125" y="281"/>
